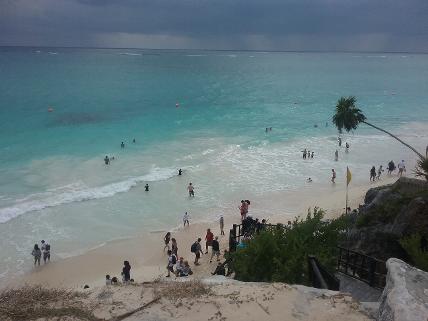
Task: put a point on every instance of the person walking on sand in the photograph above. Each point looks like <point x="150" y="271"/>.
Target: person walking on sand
<point x="197" y="250"/>
<point x="166" y="239"/>
<point x="401" y="168"/>
<point x="215" y="249"/>
<point x="391" y="167"/>
<point x="304" y="153"/>
<point x="186" y="218"/>
<point x="174" y="247"/>
<point x="46" y="250"/>
<point x="372" y="174"/>
<point x="347" y="147"/>
<point x="333" y="176"/>
<point x="191" y="188"/>
<point x="379" y="172"/>
<point x="37" y="254"/>
<point x="336" y="155"/>
<point x="221" y="225"/>
<point x="208" y="240"/>
<point x="106" y="160"/>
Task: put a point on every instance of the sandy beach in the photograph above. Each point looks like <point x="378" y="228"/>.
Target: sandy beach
<point x="147" y="258"/>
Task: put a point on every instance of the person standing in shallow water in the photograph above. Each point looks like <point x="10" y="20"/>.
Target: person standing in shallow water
<point x="333" y="176"/>
<point x="191" y="188"/>
<point x="180" y="172"/>
<point x="37" y="254"/>
<point x="336" y="155"/>
<point x="106" y="160"/>
<point x="186" y="218"/>
<point x="146" y="188"/>
<point x="122" y="145"/>
<point x="372" y="174"/>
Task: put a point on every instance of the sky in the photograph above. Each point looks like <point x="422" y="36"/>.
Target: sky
<point x="289" y="25"/>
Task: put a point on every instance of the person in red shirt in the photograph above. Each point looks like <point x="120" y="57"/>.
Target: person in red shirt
<point x="208" y="240"/>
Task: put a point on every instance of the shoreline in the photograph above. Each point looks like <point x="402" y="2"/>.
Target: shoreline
<point x="144" y="251"/>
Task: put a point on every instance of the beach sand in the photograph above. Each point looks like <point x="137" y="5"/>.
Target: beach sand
<point x="145" y="252"/>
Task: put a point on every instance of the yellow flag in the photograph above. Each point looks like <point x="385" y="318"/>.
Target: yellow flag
<point x="348" y="176"/>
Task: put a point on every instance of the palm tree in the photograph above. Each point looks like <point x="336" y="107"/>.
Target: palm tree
<point x="348" y="117"/>
<point x="422" y="168"/>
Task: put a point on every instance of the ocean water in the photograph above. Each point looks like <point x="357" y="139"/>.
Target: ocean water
<point x="202" y="111"/>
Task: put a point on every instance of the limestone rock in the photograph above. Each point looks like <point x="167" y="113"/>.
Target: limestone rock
<point x="405" y="297"/>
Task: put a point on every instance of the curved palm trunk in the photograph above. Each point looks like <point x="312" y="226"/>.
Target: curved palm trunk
<point x="393" y="136"/>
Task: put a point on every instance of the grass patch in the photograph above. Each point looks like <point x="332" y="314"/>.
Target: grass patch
<point x="33" y="302"/>
<point x="180" y="290"/>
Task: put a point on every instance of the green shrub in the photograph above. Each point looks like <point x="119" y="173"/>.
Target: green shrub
<point x="412" y="246"/>
<point x="280" y="254"/>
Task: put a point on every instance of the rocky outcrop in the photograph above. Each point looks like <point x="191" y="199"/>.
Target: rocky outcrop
<point x="405" y="297"/>
<point x="390" y="213"/>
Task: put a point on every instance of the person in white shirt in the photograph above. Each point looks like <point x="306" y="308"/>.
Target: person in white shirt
<point x="186" y="218"/>
<point x="401" y="168"/>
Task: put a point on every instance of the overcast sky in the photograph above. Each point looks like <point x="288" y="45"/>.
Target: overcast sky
<point x="326" y="25"/>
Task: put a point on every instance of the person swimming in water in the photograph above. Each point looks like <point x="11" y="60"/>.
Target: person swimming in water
<point x="180" y="172"/>
<point x="309" y="180"/>
<point x="106" y="160"/>
<point x="146" y="188"/>
<point x="134" y="141"/>
<point x="122" y="145"/>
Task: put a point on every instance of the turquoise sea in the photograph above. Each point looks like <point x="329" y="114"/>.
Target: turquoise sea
<point x="202" y="111"/>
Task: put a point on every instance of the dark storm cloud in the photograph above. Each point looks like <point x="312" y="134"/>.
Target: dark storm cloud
<point x="223" y="24"/>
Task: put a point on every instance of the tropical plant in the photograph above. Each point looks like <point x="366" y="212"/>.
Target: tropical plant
<point x="422" y="168"/>
<point x="348" y="117"/>
<point x="279" y="254"/>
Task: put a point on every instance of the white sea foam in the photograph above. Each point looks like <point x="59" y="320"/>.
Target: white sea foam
<point x="78" y="193"/>
<point x="130" y="54"/>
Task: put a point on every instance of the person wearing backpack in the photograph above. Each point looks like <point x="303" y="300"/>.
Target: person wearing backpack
<point x="172" y="259"/>
<point x="46" y="250"/>
<point x="197" y="249"/>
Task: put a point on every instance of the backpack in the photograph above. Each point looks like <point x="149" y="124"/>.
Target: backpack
<point x="174" y="259"/>
<point x="193" y="247"/>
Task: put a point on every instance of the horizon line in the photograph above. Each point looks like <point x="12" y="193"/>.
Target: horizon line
<point x="206" y="49"/>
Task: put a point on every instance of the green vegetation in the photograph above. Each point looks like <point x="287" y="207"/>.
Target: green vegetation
<point x="422" y="168"/>
<point x="412" y="246"/>
<point x="279" y="254"/>
<point x="348" y="117"/>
